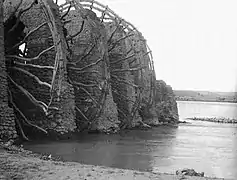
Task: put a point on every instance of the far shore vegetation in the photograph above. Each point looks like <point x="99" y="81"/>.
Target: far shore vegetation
<point x="207" y="96"/>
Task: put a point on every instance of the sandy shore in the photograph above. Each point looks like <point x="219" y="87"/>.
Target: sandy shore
<point x="26" y="165"/>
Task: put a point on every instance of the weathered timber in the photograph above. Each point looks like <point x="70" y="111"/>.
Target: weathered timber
<point x="37" y="26"/>
<point x="89" y="53"/>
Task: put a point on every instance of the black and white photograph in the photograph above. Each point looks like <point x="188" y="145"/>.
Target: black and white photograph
<point x="118" y="90"/>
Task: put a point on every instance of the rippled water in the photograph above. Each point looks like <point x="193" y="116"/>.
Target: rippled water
<point x="204" y="146"/>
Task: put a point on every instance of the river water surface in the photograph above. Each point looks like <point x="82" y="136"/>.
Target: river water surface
<point x="204" y="146"/>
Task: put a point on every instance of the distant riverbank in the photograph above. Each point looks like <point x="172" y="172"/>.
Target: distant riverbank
<point x="207" y="96"/>
<point x="202" y="100"/>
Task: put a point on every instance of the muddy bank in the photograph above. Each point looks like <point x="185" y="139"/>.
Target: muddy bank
<point x="17" y="163"/>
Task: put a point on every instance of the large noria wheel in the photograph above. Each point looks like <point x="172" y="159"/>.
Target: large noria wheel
<point x="88" y="68"/>
<point x="35" y="51"/>
<point x="131" y="72"/>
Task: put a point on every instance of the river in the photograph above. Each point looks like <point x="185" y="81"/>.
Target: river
<point x="204" y="146"/>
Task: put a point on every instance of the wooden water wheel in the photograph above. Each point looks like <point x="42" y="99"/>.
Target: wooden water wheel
<point x="130" y="63"/>
<point x="64" y="61"/>
<point x="36" y="57"/>
<point x="87" y="67"/>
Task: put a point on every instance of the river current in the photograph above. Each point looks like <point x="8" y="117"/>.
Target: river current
<point x="204" y="146"/>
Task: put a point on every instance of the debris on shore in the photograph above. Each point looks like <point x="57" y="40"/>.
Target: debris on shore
<point x="189" y="172"/>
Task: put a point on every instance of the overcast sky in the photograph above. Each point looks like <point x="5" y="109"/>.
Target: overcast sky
<point x="194" y="42"/>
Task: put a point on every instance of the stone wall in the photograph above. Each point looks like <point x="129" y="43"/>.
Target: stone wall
<point x="166" y="105"/>
<point x="93" y="88"/>
<point x="7" y="118"/>
<point x="61" y="121"/>
<point x="164" y="108"/>
<point x="142" y="59"/>
<point x="88" y="71"/>
<point x="124" y="93"/>
<point x="144" y="78"/>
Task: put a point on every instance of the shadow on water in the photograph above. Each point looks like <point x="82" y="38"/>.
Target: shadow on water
<point x="129" y="149"/>
<point x="204" y="146"/>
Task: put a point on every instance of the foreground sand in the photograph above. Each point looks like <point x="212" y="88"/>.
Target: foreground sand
<point x="22" y="165"/>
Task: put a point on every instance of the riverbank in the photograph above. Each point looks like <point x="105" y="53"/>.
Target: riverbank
<point x="205" y="100"/>
<point x="17" y="163"/>
<point x="206" y="96"/>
